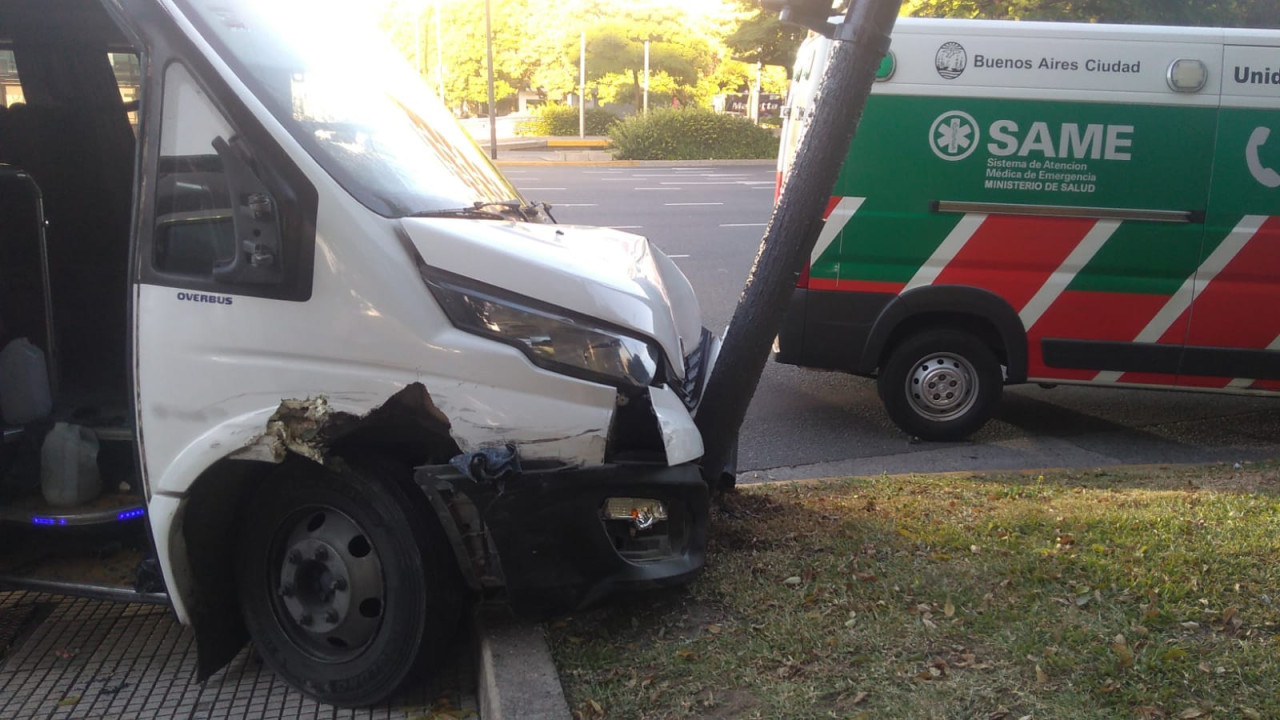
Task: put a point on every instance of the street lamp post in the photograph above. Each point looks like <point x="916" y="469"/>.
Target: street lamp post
<point x="646" y="77"/>
<point x="488" y="39"/>
<point x="439" y="54"/>
<point x="582" y="86"/>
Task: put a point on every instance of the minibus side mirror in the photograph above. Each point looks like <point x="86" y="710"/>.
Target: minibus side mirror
<point x="257" y="256"/>
<point x="812" y="14"/>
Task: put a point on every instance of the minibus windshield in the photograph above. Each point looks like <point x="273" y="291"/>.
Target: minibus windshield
<point x="358" y="108"/>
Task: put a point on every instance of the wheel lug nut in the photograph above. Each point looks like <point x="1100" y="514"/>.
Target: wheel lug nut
<point x="306" y="620"/>
<point x="295" y="557"/>
<point x="286" y="590"/>
<point x="331" y="616"/>
<point x="339" y="584"/>
<point x="321" y="554"/>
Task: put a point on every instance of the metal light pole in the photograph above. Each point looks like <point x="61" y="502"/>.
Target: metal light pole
<point x="439" y="54"/>
<point x="488" y="40"/>
<point x="862" y="41"/>
<point x="582" y="86"/>
<point x="421" y="66"/>
<point x="646" y="77"/>
<point x="755" y="99"/>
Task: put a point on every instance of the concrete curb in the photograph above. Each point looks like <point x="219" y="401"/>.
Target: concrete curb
<point x="515" y="675"/>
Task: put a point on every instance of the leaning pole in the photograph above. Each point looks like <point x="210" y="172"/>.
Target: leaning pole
<point x="862" y="39"/>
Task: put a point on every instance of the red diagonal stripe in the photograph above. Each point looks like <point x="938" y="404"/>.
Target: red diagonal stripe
<point x="1089" y="316"/>
<point x="1238" y="308"/>
<point x="832" y="202"/>
<point x="1013" y="256"/>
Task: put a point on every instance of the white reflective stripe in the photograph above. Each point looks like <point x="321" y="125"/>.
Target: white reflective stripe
<point x="1208" y="270"/>
<point x="947" y="251"/>
<point x="1246" y="382"/>
<point x="1052" y="289"/>
<point x="1231" y="246"/>
<point x="836" y="221"/>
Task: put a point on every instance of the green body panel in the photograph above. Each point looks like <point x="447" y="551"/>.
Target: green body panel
<point x="1236" y="192"/>
<point x="1160" y="159"/>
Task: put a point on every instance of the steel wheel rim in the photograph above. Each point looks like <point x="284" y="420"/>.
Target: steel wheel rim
<point x="329" y="591"/>
<point x="942" y="386"/>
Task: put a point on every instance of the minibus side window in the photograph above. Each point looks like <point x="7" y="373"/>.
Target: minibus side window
<point x="194" y="229"/>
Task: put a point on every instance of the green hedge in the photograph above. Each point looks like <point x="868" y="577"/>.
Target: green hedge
<point x="562" y="120"/>
<point x="690" y="134"/>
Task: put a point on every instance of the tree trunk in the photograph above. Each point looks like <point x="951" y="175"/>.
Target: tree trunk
<point x="792" y="231"/>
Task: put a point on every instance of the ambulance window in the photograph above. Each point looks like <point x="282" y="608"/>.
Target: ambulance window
<point x="128" y="78"/>
<point x="10" y="88"/>
<point x="194" y="229"/>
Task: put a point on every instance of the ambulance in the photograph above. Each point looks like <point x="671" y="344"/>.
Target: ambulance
<point x="1048" y="203"/>
<point x="281" y="349"/>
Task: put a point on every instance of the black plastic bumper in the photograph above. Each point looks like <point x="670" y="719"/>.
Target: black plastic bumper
<point x="543" y="542"/>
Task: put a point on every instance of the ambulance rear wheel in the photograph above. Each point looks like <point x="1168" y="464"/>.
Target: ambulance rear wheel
<point x="344" y="588"/>
<point x="940" y="384"/>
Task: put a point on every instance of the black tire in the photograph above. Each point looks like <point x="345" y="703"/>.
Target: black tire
<point x="961" y="372"/>
<point x="344" y="583"/>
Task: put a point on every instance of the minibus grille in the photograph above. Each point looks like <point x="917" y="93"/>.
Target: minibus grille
<point x="695" y="372"/>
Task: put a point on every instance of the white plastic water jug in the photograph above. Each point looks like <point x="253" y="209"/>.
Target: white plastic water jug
<point x="69" y="465"/>
<point x="24" y="383"/>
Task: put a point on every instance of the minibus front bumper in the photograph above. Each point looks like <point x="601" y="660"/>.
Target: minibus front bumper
<point x="556" y="539"/>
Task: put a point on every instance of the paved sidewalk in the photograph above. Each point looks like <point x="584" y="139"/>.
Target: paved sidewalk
<point x="76" y="658"/>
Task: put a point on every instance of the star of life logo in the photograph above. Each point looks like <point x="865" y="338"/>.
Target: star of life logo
<point x="954" y="135"/>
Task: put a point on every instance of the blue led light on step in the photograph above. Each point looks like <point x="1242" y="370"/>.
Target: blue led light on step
<point x="39" y="520"/>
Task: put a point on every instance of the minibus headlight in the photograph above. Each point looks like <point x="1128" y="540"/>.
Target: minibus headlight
<point x="553" y="338"/>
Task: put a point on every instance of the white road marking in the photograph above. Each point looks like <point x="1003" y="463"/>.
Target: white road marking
<point x="531" y="189"/>
<point x="692" y="203"/>
<point x="743" y="224"/>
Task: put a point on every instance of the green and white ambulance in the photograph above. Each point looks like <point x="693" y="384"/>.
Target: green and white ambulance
<point x="1051" y="203"/>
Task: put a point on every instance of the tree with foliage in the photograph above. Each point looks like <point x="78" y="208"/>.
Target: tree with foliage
<point x="536" y="47"/>
<point x="1227" y="13"/>
<point x="761" y="37"/>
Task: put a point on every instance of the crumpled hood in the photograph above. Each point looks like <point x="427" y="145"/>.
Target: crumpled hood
<point x="615" y="276"/>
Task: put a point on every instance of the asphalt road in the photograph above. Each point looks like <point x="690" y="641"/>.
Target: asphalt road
<point x="804" y="423"/>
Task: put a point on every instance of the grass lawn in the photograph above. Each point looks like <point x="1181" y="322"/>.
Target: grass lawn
<point x="1138" y="593"/>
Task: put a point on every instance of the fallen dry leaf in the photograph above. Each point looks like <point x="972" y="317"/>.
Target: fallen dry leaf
<point x="857" y="699"/>
<point x="1041" y="676"/>
<point x="949" y="610"/>
<point x="1123" y="652"/>
<point x="1191" y="714"/>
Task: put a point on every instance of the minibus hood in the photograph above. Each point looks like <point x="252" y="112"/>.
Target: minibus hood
<point x="615" y="276"/>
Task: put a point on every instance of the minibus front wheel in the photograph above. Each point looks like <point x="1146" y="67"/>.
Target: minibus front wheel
<point x="940" y="384"/>
<point x="343" y="586"/>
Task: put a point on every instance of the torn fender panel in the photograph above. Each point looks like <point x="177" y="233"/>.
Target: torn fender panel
<point x="570" y="429"/>
<point x="680" y="436"/>
<point x="408" y="420"/>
